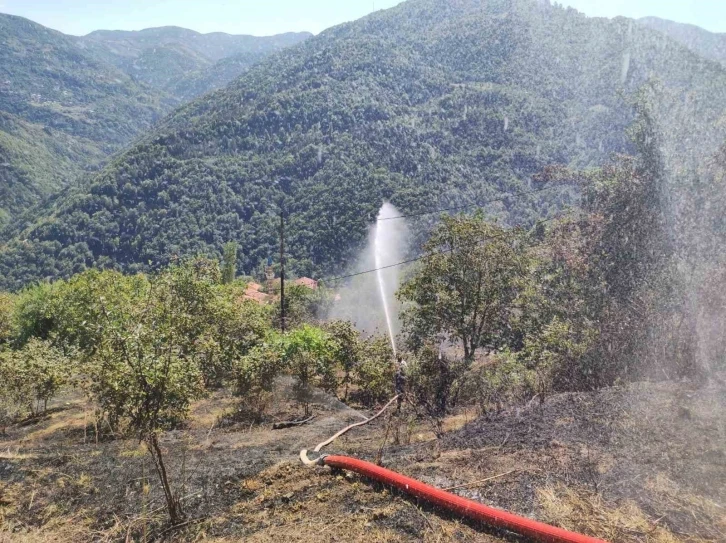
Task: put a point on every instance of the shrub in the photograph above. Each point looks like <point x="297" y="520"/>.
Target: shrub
<point x="7" y="305"/>
<point x="348" y="348"/>
<point x="556" y="358"/>
<point x="433" y="380"/>
<point x="309" y="354"/>
<point x="374" y="375"/>
<point x="32" y="376"/>
<point x="504" y="382"/>
<point x="34" y="315"/>
<point x="433" y="383"/>
<point x="255" y="373"/>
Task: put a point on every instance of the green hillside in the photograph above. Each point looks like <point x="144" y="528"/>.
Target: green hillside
<point x="67" y="103"/>
<point x="182" y="62"/>
<point x="709" y="45"/>
<point x="61" y="112"/>
<point x="429" y="104"/>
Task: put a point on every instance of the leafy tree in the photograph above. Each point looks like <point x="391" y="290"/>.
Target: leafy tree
<point x="146" y="369"/>
<point x="468" y="286"/>
<point x="7" y="304"/>
<point x="33" y="375"/>
<point x="33" y="313"/>
<point x="348" y="350"/>
<point x="374" y="375"/>
<point x="81" y="306"/>
<point x="255" y="373"/>
<point x="309" y="353"/>
<point x="229" y="268"/>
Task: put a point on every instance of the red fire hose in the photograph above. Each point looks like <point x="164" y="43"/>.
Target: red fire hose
<point x="441" y="498"/>
<point x="457" y="504"/>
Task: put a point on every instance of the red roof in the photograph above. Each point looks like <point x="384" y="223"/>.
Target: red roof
<point x="307" y="282"/>
<point x="255" y="296"/>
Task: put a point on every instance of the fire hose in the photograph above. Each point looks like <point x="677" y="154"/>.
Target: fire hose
<point x="441" y="498"/>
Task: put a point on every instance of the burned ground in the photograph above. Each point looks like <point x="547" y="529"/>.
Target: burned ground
<point x="645" y="462"/>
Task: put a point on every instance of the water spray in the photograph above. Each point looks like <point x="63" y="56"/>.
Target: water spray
<point x="378" y="250"/>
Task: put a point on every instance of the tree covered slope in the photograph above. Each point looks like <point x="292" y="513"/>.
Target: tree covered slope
<point x="429" y="104"/>
<point x="60" y="112"/>
<point x="67" y="103"/>
<point x="710" y="45"/>
<point x="182" y="62"/>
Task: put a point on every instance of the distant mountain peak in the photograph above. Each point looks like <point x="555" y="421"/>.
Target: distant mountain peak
<point x="707" y="44"/>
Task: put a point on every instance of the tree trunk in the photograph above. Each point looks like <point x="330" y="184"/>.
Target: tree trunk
<point x="173" y="506"/>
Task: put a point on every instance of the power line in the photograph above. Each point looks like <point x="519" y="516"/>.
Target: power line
<point x="421" y="257"/>
<point x="478" y="204"/>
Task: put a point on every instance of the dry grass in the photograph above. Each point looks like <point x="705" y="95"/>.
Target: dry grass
<point x="245" y="483"/>
<point x="584" y="511"/>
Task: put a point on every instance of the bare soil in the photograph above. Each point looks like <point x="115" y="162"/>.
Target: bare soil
<point x="645" y="462"/>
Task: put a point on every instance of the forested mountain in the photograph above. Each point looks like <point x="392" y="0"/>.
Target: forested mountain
<point x="183" y="62"/>
<point x="60" y="111"/>
<point x="709" y="45"/>
<point x="66" y="103"/>
<point x="430" y="104"/>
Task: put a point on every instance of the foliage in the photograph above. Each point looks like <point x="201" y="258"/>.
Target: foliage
<point x="464" y="106"/>
<point x="502" y="383"/>
<point x="7" y="305"/>
<point x="374" y="375"/>
<point x="33" y="375"/>
<point x="144" y="372"/>
<point x="255" y="373"/>
<point x="348" y="350"/>
<point x="33" y="314"/>
<point x="468" y="286"/>
<point x="229" y="262"/>
<point x="154" y="357"/>
<point x="303" y="305"/>
<point x="434" y="381"/>
<point x="309" y="353"/>
<point x="556" y="358"/>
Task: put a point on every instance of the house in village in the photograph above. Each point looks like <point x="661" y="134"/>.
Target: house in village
<point x="254" y="290"/>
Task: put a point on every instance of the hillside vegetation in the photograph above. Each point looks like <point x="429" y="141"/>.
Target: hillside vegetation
<point x="707" y="44"/>
<point x="67" y="103"/>
<point x="182" y="62"/>
<point x="429" y="104"/>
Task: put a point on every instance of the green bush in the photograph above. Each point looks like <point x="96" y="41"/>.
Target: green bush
<point x="255" y="373"/>
<point x="348" y="348"/>
<point x="309" y="354"/>
<point x="374" y="375"/>
<point x="7" y="306"/>
<point x="32" y="376"/>
<point x="33" y="314"/>
<point x="502" y="383"/>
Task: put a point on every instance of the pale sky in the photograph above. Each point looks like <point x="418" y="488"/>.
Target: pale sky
<point x="265" y="17"/>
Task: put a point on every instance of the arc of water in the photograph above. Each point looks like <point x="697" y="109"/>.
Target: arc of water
<point x="378" y="252"/>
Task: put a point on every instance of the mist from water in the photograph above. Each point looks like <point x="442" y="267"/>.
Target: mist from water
<point x="693" y="201"/>
<point x="385" y="254"/>
<point x="369" y="300"/>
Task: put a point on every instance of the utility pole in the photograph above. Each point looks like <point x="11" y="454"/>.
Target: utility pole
<point x="282" y="269"/>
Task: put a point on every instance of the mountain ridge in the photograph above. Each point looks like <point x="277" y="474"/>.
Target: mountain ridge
<point x="429" y="104"/>
<point x="65" y="109"/>
<point x="711" y="45"/>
